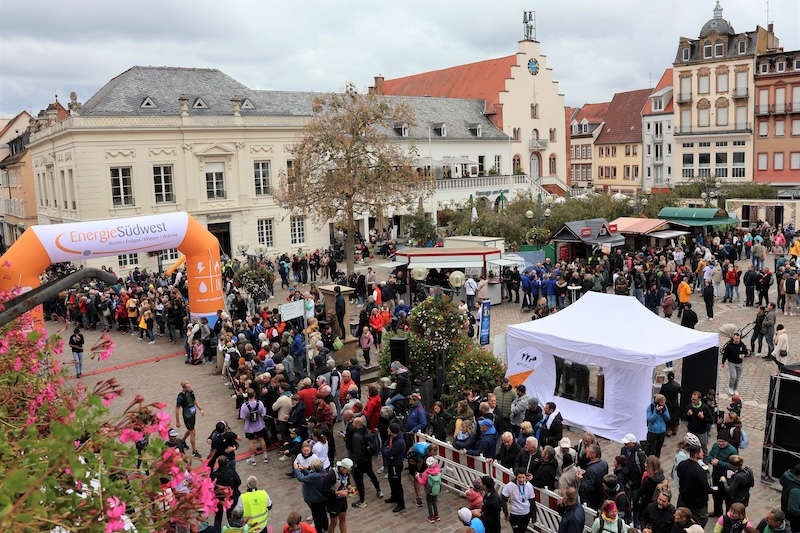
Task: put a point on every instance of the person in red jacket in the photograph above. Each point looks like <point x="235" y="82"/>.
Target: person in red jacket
<point x="376" y="325"/>
<point x="307" y="394"/>
<point x="373" y="409"/>
<point x="731" y="281"/>
<point x="295" y="524"/>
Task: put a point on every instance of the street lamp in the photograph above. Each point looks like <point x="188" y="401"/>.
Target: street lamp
<point x="637" y="204"/>
<point x="708" y="197"/>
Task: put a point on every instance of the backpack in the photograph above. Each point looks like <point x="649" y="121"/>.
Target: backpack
<point x="253" y="414"/>
<point x="601" y="525"/>
<point x="627" y="510"/>
<point x="745" y="442"/>
<point x="434" y="484"/>
<point x="369" y="446"/>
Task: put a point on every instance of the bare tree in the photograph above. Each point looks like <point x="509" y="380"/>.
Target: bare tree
<point x="346" y="166"/>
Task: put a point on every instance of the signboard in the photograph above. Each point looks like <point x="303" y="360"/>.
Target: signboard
<point x="292" y="310"/>
<point x="606" y="248"/>
<point x="485" y="322"/>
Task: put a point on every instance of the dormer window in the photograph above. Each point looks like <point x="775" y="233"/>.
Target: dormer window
<point x="401" y="129"/>
<point x="585" y="128"/>
<point x="742" y="47"/>
<point x="686" y="54"/>
<point x="575" y="127"/>
<point x="475" y="129"/>
<point x="147" y="103"/>
<point x="764" y="68"/>
<point x="439" y="129"/>
<point x="707" y="51"/>
<point x="780" y="66"/>
<point x="658" y="104"/>
<point x="718" y="50"/>
<point x="199" y="104"/>
<point x="797" y="64"/>
<point x="247" y="104"/>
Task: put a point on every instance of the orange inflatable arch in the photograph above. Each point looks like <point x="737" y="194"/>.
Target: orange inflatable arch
<point x="40" y="246"/>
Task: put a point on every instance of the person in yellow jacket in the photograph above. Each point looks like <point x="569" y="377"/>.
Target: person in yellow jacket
<point x="795" y="249"/>
<point x="684" y="291"/>
<point x="255" y="506"/>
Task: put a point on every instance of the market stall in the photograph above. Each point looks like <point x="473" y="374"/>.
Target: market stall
<point x="580" y="238"/>
<point x="640" y="231"/>
<point x="595" y="360"/>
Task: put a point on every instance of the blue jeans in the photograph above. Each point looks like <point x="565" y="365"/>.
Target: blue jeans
<point x="639" y="294"/>
<point x="728" y="292"/>
<point x="551" y="301"/>
<point x="78" y="357"/>
<point x="470" y="301"/>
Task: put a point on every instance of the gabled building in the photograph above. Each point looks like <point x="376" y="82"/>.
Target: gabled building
<point x="585" y="125"/>
<point x="777" y="141"/>
<point x="521" y="97"/>
<point x="618" y="147"/>
<point x="658" y="139"/>
<point x="569" y="112"/>
<point x="196" y="140"/>
<point x="714" y="100"/>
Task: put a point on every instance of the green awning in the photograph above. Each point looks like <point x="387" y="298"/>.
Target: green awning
<point x="696" y="222"/>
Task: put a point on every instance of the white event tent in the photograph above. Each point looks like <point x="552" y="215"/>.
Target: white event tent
<point x="620" y="339"/>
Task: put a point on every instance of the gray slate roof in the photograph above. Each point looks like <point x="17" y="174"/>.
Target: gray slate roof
<point x="571" y="232"/>
<point x="124" y="94"/>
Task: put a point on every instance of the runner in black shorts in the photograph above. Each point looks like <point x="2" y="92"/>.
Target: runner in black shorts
<point x="339" y="481"/>
<point x="187" y="406"/>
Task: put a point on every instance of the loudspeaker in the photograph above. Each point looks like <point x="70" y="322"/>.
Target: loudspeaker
<point x="778" y="461"/>
<point x="786" y="395"/>
<point x="699" y="373"/>
<point x="786" y="432"/>
<point x="398" y="349"/>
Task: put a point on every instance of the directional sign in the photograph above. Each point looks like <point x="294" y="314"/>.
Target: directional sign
<point x="291" y="310"/>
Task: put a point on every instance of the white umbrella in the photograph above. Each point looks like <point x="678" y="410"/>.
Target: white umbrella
<point x="474" y="214"/>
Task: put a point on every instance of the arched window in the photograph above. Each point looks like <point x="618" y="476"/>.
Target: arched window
<point x="703" y="112"/>
<point x="553" y="165"/>
<point x="535" y="134"/>
<point x="517" y="165"/>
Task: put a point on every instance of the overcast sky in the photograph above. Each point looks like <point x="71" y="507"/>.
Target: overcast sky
<point x="594" y="47"/>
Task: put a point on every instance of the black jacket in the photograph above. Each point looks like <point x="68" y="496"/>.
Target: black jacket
<point x="658" y="520"/>
<point x="490" y="516"/>
<point x="738" y="486"/>
<point x="695" y="424"/>
<point x="591" y="490"/>
<point x="509" y="457"/>
<point x="689" y="319"/>
<point x="545" y="475"/>
<point x="672" y="392"/>
<point x="553" y="435"/>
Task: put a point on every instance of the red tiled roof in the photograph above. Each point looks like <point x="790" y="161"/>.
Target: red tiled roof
<point x="624" y="118"/>
<point x="482" y="80"/>
<point x="593" y="113"/>
<point x="663" y="83"/>
<point x="11" y="122"/>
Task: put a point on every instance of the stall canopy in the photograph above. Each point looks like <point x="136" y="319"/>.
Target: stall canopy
<point x="593" y="231"/>
<point x="465" y="257"/>
<point x="595" y="360"/>
<point x="698" y="216"/>
<point x="651" y="227"/>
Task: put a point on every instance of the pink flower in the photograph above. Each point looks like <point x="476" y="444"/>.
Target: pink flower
<point x="130" y="435"/>
<point x="68" y="471"/>
<point x="17" y="364"/>
<point x="114" y="507"/>
<point x="108" y="398"/>
<point x="161" y="405"/>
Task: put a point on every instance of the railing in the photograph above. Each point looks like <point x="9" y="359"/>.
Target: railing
<point x="481" y="181"/>
<point x="763" y="109"/>
<point x="458" y="471"/>
<point x="742" y="127"/>
<point x="538" y="144"/>
<point x="684" y="98"/>
<point x="739" y="92"/>
<point x="553" y="180"/>
<point x="658" y="136"/>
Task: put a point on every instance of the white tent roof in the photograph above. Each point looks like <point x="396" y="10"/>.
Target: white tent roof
<point x="614" y="328"/>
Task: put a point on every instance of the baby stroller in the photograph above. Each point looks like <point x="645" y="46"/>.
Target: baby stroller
<point x="727" y="331"/>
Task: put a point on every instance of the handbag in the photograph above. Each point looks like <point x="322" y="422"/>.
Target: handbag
<point x="337" y="344"/>
<point x="783" y="353"/>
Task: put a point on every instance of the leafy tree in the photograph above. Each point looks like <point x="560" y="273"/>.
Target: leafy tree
<point x="345" y="164"/>
<point x="421" y="228"/>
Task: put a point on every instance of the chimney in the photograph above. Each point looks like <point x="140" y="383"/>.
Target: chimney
<point x="770" y="27"/>
<point x="379" y="85"/>
<point x="237" y="106"/>
<point x="183" y="101"/>
<point x="370" y="90"/>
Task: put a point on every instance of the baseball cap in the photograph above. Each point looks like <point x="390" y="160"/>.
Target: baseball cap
<point x="565" y="443"/>
<point x="465" y="515"/>
<point x="628" y="438"/>
<point x="345" y="463"/>
<point x="173" y="432"/>
<point x="430" y="461"/>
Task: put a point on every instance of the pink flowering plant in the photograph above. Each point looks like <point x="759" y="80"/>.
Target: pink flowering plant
<point x="66" y="463"/>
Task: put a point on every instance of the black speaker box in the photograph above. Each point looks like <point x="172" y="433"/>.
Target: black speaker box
<point x="398" y="348"/>
<point x="778" y="462"/>
<point x="786" y="432"/>
<point x="788" y="396"/>
<point x="699" y="373"/>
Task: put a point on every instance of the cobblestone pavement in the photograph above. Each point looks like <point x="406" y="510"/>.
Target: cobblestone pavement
<point x="158" y="380"/>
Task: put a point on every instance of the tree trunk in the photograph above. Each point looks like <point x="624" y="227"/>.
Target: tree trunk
<point x="350" y="240"/>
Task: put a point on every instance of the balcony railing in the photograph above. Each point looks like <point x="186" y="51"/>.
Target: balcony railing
<point x="658" y="136"/>
<point x="742" y="127"/>
<point x="684" y="98"/>
<point x="763" y="110"/>
<point x="739" y="92"/>
<point x="481" y="181"/>
<point x="538" y="145"/>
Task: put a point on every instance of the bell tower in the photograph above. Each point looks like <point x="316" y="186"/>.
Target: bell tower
<point x="529" y="25"/>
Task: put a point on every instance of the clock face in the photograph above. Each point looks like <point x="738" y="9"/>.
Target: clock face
<point x="533" y="67"/>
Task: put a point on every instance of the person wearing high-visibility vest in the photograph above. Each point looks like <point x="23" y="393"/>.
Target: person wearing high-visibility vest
<point x="255" y="506"/>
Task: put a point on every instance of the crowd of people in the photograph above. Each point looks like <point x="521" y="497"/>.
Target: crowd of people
<point x="292" y="397"/>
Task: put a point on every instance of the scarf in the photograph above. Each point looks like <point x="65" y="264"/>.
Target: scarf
<point x="552" y="416"/>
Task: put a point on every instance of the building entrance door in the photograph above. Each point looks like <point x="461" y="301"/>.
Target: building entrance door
<point x="222" y="231"/>
<point x="535" y="170"/>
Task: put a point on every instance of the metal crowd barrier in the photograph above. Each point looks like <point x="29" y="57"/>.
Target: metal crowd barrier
<point x="458" y="471"/>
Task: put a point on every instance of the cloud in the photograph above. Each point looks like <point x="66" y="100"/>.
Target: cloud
<point x="594" y="48"/>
